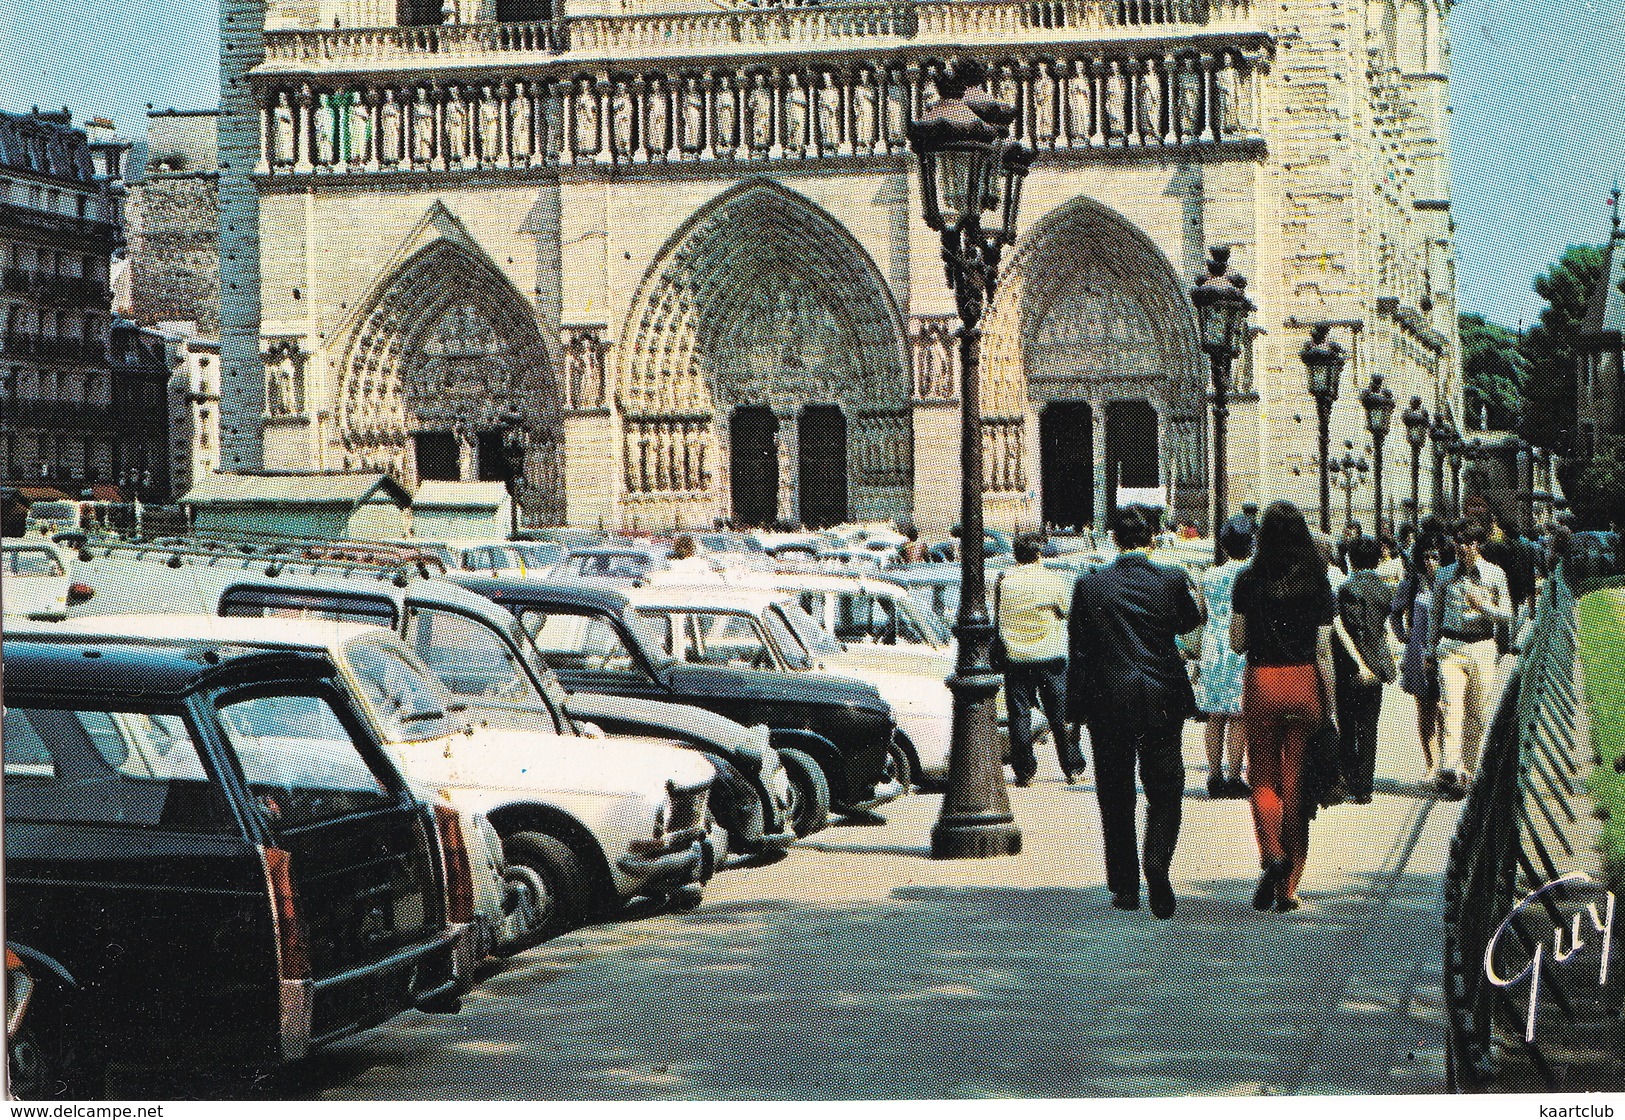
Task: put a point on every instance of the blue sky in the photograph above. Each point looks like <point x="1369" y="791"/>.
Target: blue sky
<point x="1537" y="86"/>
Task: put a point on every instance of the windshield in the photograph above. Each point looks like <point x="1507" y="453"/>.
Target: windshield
<point x="784" y="636"/>
<point x="406" y="700"/>
<point x="539" y="555"/>
<point x="54" y="511"/>
<point x="813" y="638"/>
<point x="910" y="618"/>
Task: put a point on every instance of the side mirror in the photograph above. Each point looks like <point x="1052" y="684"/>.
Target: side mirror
<point x="80" y="593"/>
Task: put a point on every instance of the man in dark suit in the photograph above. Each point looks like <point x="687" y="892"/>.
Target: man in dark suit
<point x="1127" y="681"/>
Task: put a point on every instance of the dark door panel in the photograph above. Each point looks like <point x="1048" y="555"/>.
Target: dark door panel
<point x="1067" y="457"/>
<point x="754" y="466"/>
<point x="822" y="437"/>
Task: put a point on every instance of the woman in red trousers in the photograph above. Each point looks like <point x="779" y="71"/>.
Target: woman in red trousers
<point x="1281" y="618"/>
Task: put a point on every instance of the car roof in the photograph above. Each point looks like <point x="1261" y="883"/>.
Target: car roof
<point x="837" y="581"/>
<point x="301" y="633"/>
<point x="587" y="596"/>
<point x="709" y="596"/>
<point x="133" y="669"/>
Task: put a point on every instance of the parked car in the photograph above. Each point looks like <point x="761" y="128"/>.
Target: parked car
<point x="768" y="630"/>
<point x="213" y="860"/>
<point x="36" y="580"/>
<point x="619" y="566"/>
<point x="476" y="650"/>
<point x="834" y="734"/>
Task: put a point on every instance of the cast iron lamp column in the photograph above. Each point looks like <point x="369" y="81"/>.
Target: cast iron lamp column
<point x="513" y="450"/>
<point x="1323" y="357"/>
<point x="1455" y="449"/>
<point x="1416" y="433"/>
<point x="970" y="180"/>
<point x="1378" y="401"/>
<point x="1222" y="308"/>
<point x="1350" y="471"/>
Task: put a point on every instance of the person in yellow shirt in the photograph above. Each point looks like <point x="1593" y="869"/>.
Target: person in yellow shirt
<point x="1030" y="607"/>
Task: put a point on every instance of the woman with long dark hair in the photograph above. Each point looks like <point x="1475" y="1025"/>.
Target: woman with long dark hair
<point x="1282" y="611"/>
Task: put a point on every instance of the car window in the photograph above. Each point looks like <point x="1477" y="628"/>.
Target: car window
<point x="406" y="699"/>
<point x="300" y="761"/>
<point x="809" y="631"/>
<point x="570" y="642"/>
<point x="726" y="639"/>
<point x="538" y="556"/>
<point x="468" y="655"/>
<point x="251" y="602"/>
<point x="32" y="562"/>
<point x="124" y="769"/>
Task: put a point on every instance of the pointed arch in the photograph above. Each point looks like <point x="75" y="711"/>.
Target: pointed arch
<point x="763" y="299"/>
<point x="1091" y="310"/>
<point x="446" y="344"/>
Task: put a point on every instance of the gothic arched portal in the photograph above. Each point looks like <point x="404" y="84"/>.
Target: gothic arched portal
<point x="443" y="350"/>
<point x="764" y="301"/>
<point x="1090" y="311"/>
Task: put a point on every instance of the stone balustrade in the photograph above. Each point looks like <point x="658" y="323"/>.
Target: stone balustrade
<point x="762" y="30"/>
<point x="1121" y="97"/>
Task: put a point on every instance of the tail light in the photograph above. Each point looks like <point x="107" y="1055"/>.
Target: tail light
<point x="293" y="953"/>
<point x="19" y="986"/>
<point x="80" y="593"/>
<point x="459" y="874"/>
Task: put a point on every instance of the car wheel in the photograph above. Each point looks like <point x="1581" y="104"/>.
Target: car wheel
<point x="560" y="871"/>
<point x="899" y="766"/>
<point x="527" y="898"/>
<point x="809" y="792"/>
<point x="49" y="1059"/>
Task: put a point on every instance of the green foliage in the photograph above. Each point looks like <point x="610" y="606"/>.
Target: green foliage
<point x="1547" y="349"/>
<point x="1492" y="370"/>
<point x="1597" y="495"/>
<point x="1601" y="615"/>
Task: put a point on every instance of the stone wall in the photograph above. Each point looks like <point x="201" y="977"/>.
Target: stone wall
<point x="174" y="245"/>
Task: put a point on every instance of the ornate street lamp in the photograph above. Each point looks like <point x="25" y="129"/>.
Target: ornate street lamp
<point x="1378" y="401"/>
<point x="1416" y="434"/>
<point x="1454" y="449"/>
<point x="512" y="423"/>
<point x="1323" y="357"/>
<point x="1222" y="307"/>
<point x="1349" y="471"/>
<point x="970" y="185"/>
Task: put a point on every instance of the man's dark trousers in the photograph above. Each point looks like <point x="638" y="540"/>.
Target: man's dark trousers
<point x="1043" y="683"/>
<point x="1118" y="743"/>
<point x="1359" y="709"/>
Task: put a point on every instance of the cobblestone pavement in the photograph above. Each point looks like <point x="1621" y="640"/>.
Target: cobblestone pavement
<point x="856" y="967"/>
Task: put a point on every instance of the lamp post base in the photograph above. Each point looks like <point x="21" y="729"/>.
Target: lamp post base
<point x="976" y="822"/>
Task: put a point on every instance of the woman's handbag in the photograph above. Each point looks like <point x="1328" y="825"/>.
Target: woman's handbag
<point x="1321" y="782"/>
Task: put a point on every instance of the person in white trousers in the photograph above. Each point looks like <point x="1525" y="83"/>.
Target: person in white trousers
<point x="1470" y="598"/>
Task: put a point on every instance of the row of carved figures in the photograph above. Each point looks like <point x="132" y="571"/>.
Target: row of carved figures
<point x="1004" y="444"/>
<point x="783" y="112"/>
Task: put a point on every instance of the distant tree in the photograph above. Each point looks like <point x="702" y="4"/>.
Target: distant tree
<point x="1547" y="349"/>
<point x="1597" y="494"/>
<point x="1492" y="370"/>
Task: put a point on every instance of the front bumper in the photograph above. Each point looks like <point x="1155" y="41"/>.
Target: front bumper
<point x="880" y="795"/>
<point x="691" y="857"/>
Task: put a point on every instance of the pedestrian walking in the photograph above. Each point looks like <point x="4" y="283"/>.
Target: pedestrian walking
<point x="1412" y="607"/>
<point x="1218" y="683"/>
<point x="1282" y="612"/>
<point x="1470" y="599"/>
<point x="1030" y="604"/>
<point x="1127" y="682"/>
<point x="1362" y="664"/>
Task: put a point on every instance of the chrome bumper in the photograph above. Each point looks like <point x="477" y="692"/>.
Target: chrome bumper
<point x="694" y="863"/>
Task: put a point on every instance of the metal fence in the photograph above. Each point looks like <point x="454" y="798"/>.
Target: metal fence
<point x="1517" y="823"/>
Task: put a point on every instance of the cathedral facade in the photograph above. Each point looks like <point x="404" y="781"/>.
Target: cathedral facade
<point x="677" y="247"/>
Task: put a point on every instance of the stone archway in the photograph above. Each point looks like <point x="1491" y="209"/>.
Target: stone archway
<point x="443" y="349"/>
<point x="1090" y="311"/>
<point x="762" y="300"/>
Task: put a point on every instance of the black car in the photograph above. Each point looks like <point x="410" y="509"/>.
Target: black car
<point x="210" y="863"/>
<point x="594" y="641"/>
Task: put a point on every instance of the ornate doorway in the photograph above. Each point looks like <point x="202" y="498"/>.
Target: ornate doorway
<point x="437" y="457"/>
<point x="821" y="441"/>
<point x="1066" y="455"/>
<point x="1132" y="447"/>
<point x="754" y="465"/>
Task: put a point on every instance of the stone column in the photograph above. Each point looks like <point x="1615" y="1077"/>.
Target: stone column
<point x="307" y="131"/>
<point x="262" y="163"/>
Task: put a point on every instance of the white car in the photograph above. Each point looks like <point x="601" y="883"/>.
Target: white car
<point x="559" y="827"/>
<point x="769" y="630"/>
<point x="36" y="580"/>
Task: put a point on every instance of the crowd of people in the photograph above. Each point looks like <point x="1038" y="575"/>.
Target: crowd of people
<point x="1295" y="637"/>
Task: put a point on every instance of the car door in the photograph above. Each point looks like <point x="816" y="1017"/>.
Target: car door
<point x="359" y="851"/>
<point x="126" y="862"/>
<point x="587" y="652"/>
<point x="480" y="665"/>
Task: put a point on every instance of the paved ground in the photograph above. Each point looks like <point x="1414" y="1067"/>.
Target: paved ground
<point x="859" y="968"/>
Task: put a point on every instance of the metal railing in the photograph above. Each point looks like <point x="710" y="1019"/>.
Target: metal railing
<point x="1522" y="805"/>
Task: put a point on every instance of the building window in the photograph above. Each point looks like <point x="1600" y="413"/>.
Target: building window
<point x="203" y="428"/>
<point x="419" y="13"/>
<point x="524" y="11"/>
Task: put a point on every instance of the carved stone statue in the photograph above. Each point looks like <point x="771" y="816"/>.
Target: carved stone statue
<point x="829" y="113"/>
<point x="759" y="108"/>
<point x="1230" y="120"/>
<point x="726" y="113"/>
<point x="863" y="111"/>
<point x="1190" y="99"/>
<point x="620" y="119"/>
<point x="283" y="389"/>
<point x="282" y="129"/>
<point x="1043" y="104"/>
<point x="360" y="127"/>
<point x="327" y="132"/>
<point x="519" y="132"/>
<point x="490" y="126"/>
<point x="1149" y="109"/>
<point x="896" y="110"/>
<point x="655" y="136"/>
<point x="586" y="99"/>
<point x="1078" y="103"/>
<point x="456" y="125"/>
<point x="795" y="115"/>
<point x="389" y="128"/>
<point x="693" y="116"/>
<point x="1112" y="102"/>
<point x="422" y="127"/>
